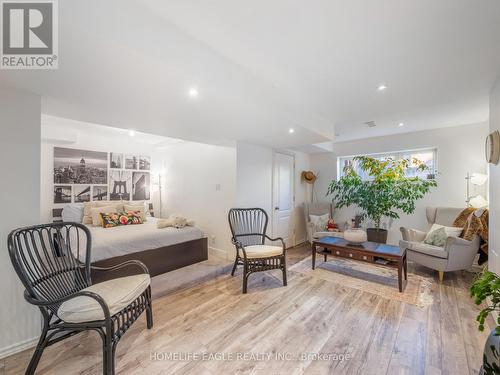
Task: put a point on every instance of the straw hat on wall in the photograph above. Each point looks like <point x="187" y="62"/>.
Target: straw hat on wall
<point x="308" y="176"/>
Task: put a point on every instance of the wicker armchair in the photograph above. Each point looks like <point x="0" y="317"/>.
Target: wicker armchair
<point x="248" y="229"/>
<point x="47" y="260"/>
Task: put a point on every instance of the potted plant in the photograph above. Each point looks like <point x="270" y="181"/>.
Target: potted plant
<point x="385" y="190"/>
<point x="487" y="288"/>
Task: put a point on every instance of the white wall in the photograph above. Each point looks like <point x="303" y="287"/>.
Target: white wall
<point x="200" y="183"/>
<point x="459" y="150"/>
<point x="20" y="199"/>
<point x="255" y="182"/>
<point x="190" y="172"/>
<point x="494" y="187"/>
<point x="61" y="132"/>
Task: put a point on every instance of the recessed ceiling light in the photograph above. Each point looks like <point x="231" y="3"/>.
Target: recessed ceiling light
<point x="193" y="92"/>
<point x="131" y="133"/>
<point x="381" y="87"/>
<point x="291" y="130"/>
<point x="401" y="124"/>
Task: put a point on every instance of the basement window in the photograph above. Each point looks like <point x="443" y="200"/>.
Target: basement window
<point x="428" y="156"/>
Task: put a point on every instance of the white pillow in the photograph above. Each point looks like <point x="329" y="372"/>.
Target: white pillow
<point x="96" y="213"/>
<point x="450" y="231"/>
<point x="319" y="222"/>
<point x="73" y="213"/>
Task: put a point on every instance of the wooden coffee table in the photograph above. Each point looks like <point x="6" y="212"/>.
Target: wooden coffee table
<point x="370" y="252"/>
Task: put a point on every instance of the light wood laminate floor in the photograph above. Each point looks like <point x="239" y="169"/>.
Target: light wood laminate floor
<point x="379" y="335"/>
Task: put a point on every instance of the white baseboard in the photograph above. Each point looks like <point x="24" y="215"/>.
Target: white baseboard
<point x="300" y="241"/>
<point x="18" y="347"/>
<point x="217" y="252"/>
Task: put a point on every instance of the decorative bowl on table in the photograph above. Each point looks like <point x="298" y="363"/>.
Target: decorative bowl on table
<point x="355" y="236"/>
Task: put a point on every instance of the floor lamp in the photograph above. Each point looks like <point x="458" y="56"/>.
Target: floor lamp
<point x="476" y="179"/>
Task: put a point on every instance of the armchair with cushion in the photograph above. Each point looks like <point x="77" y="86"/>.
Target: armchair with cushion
<point x="47" y="260"/>
<point x="248" y="230"/>
<point x="456" y="254"/>
<point x="318" y="209"/>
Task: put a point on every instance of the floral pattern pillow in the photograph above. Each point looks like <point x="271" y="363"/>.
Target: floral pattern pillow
<point x="130" y="218"/>
<point x="123" y="218"/>
<point x="109" y="220"/>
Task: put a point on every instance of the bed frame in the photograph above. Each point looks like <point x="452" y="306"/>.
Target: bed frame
<point x="159" y="261"/>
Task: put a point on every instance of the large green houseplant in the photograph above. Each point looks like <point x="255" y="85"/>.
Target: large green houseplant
<point x="383" y="192"/>
<point x="486" y="288"/>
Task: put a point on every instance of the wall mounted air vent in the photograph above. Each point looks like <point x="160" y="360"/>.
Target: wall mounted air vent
<point x="370" y="124"/>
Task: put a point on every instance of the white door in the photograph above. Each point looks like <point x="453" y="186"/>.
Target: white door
<point x="283" y="196"/>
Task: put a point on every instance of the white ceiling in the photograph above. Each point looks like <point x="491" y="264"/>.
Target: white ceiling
<point x="262" y="67"/>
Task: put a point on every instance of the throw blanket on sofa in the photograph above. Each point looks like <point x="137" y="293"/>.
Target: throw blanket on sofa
<point x="474" y="221"/>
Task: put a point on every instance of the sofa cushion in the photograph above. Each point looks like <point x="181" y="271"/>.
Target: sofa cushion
<point x="436" y="237"/>
<point x="117" y="293"/>
<point x="319" y="222"/>
<point x="424" y="248"/>
<point x="438" y="234"/>
<point x="263" y="251"/>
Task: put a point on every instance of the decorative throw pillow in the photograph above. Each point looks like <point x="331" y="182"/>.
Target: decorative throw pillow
<point x="109" y="220"/>
<point x="436" y="237"/>
<point x="96" y="211"/>
<point x="88" y="206"/>
<point x="319" y="222"/>
<point x="438" y="234"/>
<point x="130" y="218"/>
<point x="134" y="207"/>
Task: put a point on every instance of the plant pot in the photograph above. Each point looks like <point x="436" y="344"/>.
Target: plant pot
<point x="491" y="359"/>
<point x="377" y="235"/>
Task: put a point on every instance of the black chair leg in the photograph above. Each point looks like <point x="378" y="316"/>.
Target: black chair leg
<point x="42" y="343"/>
<point x="285" y="281"/>
<point x="149" y="309"/>
<point x="234" y="266"/>
<point x="108" y="357"/>
<point x="113" y="354"/>
<point x="149" y="316"/>
<point x="245" y="278"/>
<point x="245" y="283"/>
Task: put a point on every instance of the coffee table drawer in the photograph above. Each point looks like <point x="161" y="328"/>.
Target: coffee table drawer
<point x="345" y="253"/>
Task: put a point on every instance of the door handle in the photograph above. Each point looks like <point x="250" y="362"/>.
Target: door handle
<point x="276" y="208"/>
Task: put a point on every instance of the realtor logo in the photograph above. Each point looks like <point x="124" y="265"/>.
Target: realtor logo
<point x="29" y="34"/>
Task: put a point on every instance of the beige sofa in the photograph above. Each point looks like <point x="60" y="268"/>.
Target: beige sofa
<point x="457" y="254"/>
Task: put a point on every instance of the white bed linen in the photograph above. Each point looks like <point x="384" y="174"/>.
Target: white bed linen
<point x="127" y="239"/>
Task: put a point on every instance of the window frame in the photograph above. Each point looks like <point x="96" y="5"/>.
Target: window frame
<point x="398" y="155"/>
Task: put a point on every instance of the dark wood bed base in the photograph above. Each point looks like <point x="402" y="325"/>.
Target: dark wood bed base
<point x="158" y="261"/>
<point x="161" y="260"/>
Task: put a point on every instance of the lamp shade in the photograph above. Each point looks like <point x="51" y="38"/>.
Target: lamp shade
<point x="478" y="202"/>
<point x="478" y="178"/>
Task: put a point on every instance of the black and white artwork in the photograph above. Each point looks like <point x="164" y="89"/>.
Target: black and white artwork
<point x="62" y="194"/>
<point x="120" y="185"/>
<point x="131" y="162"/>
<point x="81" y="193"/>
<point x="100" y="193"/>
<point x="73" y="166"/>
<point x="140" y="186"/>
<point x="115" y="160"/>
<point x="144" y="163"/>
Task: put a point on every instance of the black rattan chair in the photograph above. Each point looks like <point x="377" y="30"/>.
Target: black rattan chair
<point x="47" y="260"/>
<point x="248" y="229"/>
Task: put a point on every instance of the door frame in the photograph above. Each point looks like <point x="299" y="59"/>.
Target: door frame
<point x="274" y="226"/>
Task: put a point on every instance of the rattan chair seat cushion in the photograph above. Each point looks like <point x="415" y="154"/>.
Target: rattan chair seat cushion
<point x="263" y="251"/>
<point x="117" y="293"/>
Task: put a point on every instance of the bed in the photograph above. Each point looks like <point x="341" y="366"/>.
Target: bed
<point x="161" y="250"/>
